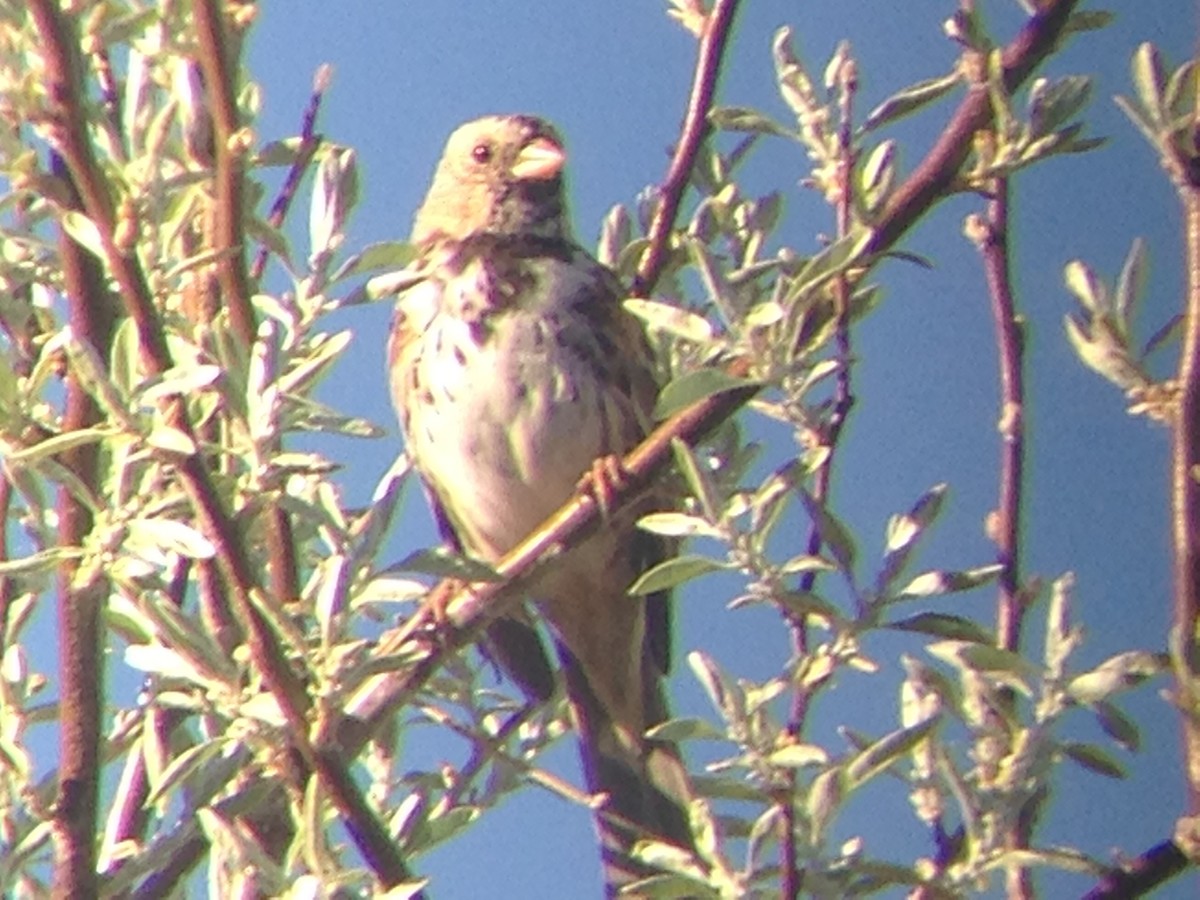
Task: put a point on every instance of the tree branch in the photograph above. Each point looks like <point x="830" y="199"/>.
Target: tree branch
<point x="935" y="175"/>
<point x="80" y="595"/>
<point x="1159" y="864"/>
<point x="309" y="142"/>
<point x="230" y="150"/>
<point x="1185" y="457"/>
<point x="695" y="128"/>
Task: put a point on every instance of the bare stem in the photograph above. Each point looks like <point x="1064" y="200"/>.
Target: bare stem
<point x="695" y="129"/>
<point x="1140" y="876"/>
<point x="309" y="141"/>
<point x="80" y="670"/>
<point x="1004" y="524"/>
<point x="1185" y="490"/>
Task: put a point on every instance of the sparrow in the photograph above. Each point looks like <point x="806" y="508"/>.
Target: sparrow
<point x="514" y="368"/>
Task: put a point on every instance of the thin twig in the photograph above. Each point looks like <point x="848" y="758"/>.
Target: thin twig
<point x="309" y="142"/>
<point x="228" y="240"/>
<point x="1004" y="524"/>
<point x="695" y="128"/>
<point x="220" y="93"/>
<point x="843" y="401"/>
<point x="1185" y="490"/>
<point x="1140" y="876"/>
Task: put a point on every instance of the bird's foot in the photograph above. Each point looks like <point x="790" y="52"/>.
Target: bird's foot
<point x="437" y="601"/>
<point x="604" y="480"/>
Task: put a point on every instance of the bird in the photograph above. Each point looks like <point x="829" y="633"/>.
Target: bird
<point x="514" y="368"/>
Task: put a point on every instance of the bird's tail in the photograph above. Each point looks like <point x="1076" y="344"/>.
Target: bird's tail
<point x="644" y="780"/>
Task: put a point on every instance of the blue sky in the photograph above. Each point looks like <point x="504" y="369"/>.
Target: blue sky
<point x="614" y="77"/>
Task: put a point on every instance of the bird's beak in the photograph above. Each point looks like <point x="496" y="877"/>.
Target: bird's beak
<point x="539" y="160"/>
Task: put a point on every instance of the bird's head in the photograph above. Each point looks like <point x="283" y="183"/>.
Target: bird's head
<point x="498" y="174"/>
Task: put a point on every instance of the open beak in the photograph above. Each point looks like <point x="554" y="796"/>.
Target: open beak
<point x="539" y="160"/>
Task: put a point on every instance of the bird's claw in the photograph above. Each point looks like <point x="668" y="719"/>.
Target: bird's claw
<point x="604" y="480"/>
<point x="437" y="601"/>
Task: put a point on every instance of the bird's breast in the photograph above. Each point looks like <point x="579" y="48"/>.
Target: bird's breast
<point x="507" y="409"/>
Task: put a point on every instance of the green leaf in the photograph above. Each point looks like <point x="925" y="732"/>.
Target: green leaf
<point x="904" y="531"/>
<point x="878" y="172"/>
<point x="382" y="255"/>
<point x="794" y="84"/>
<point x="673" y="524"/>
<point x="710" y="676"/>
<point x="1087" y="288"/>
<point x="312" y="368"/>
<point x="1061" y="638"/>
<point x="685" y="729"/>
<point x="1094" y="759"/>
<point x="674" y="572"/>
<point x="743" y="118"/>
<point x="59" y="443"/>
<point x="887" y="750"/>
<point x="42" y="561"/>
<point x="975" y="657"/>
<point x="171" y="536"/>
<point x="833" y="533"/>
<point x="1181" y="88"/>
<point x="443" y="563"/>
<point x="727" y="788"/>
<point x="1149" y="81"/>
<point x="169" y="438"/>
<point x="182" y="767"/>
<point x="178" y="380"/>
<point x="1115" y="675"/>
<point x="674" y="320"/>
<point x="1117" y="725"/>
<point x="807" y="603"/>
<point x="937" y="582"/>
<point x="84" y="232"/>
<point x="1087" y="20"/>
<point x="798" y="756"/>
<point x="824" y="798"/>
<point x="335" y="192"/>
<point x="695" y="386"/>
<point x="697" y="478"/>
<point x="1131" y="283"/>
<point x="910" y="99"/>
<point x="944" y="625"/>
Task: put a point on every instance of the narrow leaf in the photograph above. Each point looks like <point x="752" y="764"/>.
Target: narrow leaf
<point x="674" y="572"/>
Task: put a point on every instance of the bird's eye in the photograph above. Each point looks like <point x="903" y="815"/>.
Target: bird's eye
<point x="482" y="153"/>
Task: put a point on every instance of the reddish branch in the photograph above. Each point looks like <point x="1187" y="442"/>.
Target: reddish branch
<point x="716" y="33"/>
<point x="1005" y="522"/>
<point x="80" y="599"/>
<point x="843" y="401"/>
<point x="220" y="93"/>
<point x="229" y="240"/>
